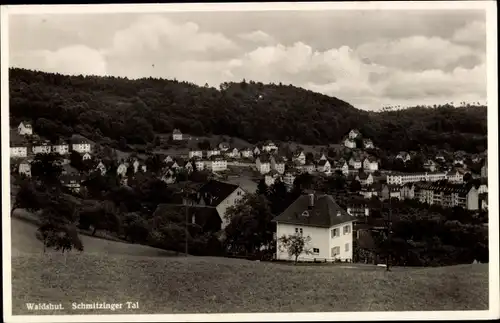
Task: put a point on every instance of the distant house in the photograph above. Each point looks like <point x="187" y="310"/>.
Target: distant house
<point x="212" y="152"/>
<point x="43" y="147"/>
<point x="25" y="129"/>
<point x="397" y="178"/>
<point x="440" y="158"/>
<point x="173" y="165"/>
<point x="71" y="181"/>
<point x="323" y="157"/>
<point x="86" y="156"/>
<point x="278" y="164"/>
<point x="263" y="164"/>
<point x="101" y="168"/>
<point x="447" y="195"/>
<point x="195" y="153"/>
<point x="370" y="164"/>
<point x="368" y="143"/>
<point x="216" y="164"/>
<point x="199" y="164"/>
<point x="19" y="152"/>
<point x="224" y="146"/>
<point x="309" y="167"/>
<point x="357" y="209"/>
<point x="81" y="146"/>
<point x="324" y="221"/>
<point x="269" y="146"/>
<point x="390" y="191"/>
<point x="324" y="166"/>
<point x="483" y="187"/>
<point x="207" y="217"/>
<point x="407" y="191"/>
<point x="349" y="143"/>
<point x="176" y="135"/>
<point x="168" y="159"/>
<point x="168" y="177"/>
<point x="234" y="153"/>
<point x="25" y="168"/>
<point x="342" y="166"/>
<point x="247" y="153"/>
<point x="430" y="165"/>
<point x="354" y="133"/>
<point x="121" y="170"/>
<point x="404" y="156"/>
<point x="355" y="163"/>
<point x="365" y="178"/>
<point x="220" y="195"/>
<point x="289" y="179"/>
<point x="61" y="148"/>
<point x="299" y="158"/>
<point x="256" y="151"/>
<point x="271" y="177"/>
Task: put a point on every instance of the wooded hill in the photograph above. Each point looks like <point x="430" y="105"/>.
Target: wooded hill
<point x="112" y="110"/>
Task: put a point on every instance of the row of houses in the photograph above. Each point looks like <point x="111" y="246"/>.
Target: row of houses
<point x="399" y="178"/>
<point x="350" y="140"/>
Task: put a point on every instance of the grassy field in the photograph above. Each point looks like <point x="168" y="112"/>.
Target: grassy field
<point x="116" y="272"/>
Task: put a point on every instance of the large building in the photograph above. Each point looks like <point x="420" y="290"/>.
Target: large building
<point x="324" y="221"/>
<point x="404" y="178"/>
<point x="448" y="195"/>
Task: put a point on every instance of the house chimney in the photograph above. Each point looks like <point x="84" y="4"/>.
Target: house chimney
<point x="311" y="201"/>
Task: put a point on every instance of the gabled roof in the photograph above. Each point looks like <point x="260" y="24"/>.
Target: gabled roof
<point x="177" y="132"/>
<point x="363" y="175"/>
<point x="26" y="124"/>
<point x="322" y="162"/>
<point x="322" y="214"/>
<point x="214" y="192"/>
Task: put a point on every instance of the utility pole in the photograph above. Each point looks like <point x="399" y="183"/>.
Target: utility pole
<point x="389" y="236"/>
<point x="186" y="233"/>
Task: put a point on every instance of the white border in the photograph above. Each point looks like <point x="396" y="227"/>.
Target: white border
<point x="491" y="22"/>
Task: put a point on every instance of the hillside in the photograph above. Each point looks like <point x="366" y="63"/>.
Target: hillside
<point x="105" y="109"/>
<point x="219" y="285"/>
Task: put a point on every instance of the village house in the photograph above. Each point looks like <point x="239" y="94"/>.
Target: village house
<point x="263" y="164"/>
<point x="483" y="187"/>
<point x="299" y="158"/>
<point x="271" y="177"/>
<point x="42" y="147"/>
<point x="224" y="146"/>
<point x="247" y="153"/>
<point x="289" y="179"/>
<point x="358" y="209"/>
<point x="188" y="166"/>
<point x="370" y="164"/>
<point x="212" y="152"/>
<point x="350" y="143"/>
<point x="323" y="157"/>
<point x="407" y="191"/>
<point x="368" y="143"/>
<point x="25" y="168"/>
<point x="430" y="165"/>
<point x="355" y="162"/>
<point x="86" y="156"/>
<point x="61" y="148"/>
<point x="324" y="221"/>
<point x="25" y="129"/>
<point x="278" y="164"/>
<point x="309" y="167"/>
<point x="447" y="195"/>
<point x="220" y="195"/>
<point x="195" y="153"/>
<point x="216" y="164"/>
<point x="398" y="178"/>
<point x="354" y="133"/>
<point x="404" y="156"/>
<point x="176" y="135"/>
<point x="173" y="165"/>
<point x="390" y="191"/>
<point x="19" y="152"/>
<point x="168" y="159"/>
<point x="234" y="153"/>
<point x="81" y="146"/>
<point x="342" y="166"/>
<point x="101" y="168"/>
<point x="168" y="177"/>
<point x="199" y="164"/>
<point x="269" y="146"/>
<point x="369" y="191"/>
<point x="121" y="170"/>
<point x="455" y="176"/>
<point x="364" y="178"/>
<point x="71" y="181"/>
<point x="324" y="166"/>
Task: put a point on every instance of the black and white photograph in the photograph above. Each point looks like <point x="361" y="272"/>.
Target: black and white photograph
<point x="250" y="161"/>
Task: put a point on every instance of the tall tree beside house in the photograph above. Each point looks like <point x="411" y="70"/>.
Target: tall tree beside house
<point x="250" y="228"/>
<point x="278" y="197"/>
<point x="262" y="188"/>
<point x="295" y="245"/>
<point x="46" y="169"/>
<point x="28" y="198"/>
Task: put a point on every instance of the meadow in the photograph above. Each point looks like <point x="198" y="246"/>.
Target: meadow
<point x="163" y="283"/>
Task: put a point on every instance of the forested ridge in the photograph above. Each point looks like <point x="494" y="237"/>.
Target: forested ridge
<point x="112" y="109"/>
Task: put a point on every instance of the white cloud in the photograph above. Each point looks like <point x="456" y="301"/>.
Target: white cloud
<point x="258" y="36"/>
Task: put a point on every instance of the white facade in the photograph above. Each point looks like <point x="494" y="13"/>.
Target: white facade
<point x="213" y="152"/>
<point x="368" y="143"/>
<point x="18" y="152"/>
<point x="122" y="170"/>
<point x="349" y="143"/>
<point x="247" y="153"/>
<point x="370" y="166"/>
<point x="81" y="148"/>
<point x="300" y="158"/>
<point x="288" y="179"/>
<point x="326" y="243"/>
<point x="270" y="146"/>
<point x="229" y="201"/>
<point x="353" y="134"/>
<point x="483" y="188"/>
<point x="199" y="164"/>
<point x="86" y="156"/>
<point x="401" y="179"/>
<point x="278" y="166"/>
<point x="62" y="149"/>
<point x="101" y="168"/>
<point x="263" y="167"/>
<point x="42" y="149"/>
<point x="25" y="168"/>
<point x="217" y="165"/>
<point x="25" y="129"/>
<point x="195" y="153"/>
<point x="355" y="163"/>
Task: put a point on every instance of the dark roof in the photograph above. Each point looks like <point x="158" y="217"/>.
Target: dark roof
<point x="445" y="187"/>
<point x="215" y="192"/>
<point x="205" y="216"/>
<point x="363" y="175"/>
<point x="177" y="132"/>
<point x="322" y="214"/>
<point x="322" y="162"/>
<point x="27" y="124"/>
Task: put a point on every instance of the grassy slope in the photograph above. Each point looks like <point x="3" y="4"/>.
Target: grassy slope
<point x="116" y="272"/>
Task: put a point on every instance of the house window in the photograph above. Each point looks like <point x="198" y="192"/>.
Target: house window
<point x="335" y="233"/>
<point x="335" y="251"/>
<point x="347" y="229"/>
<point x="346" y="247"/>
<point x="315" y="250"/>
<point x="301" y="232"/>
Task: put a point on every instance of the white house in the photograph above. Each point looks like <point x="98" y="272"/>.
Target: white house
<point x="216" y="164"/>
<point x="256" y="151"/>
<point x="365" y="178"/>
<point x="25" y="129"/>
<point x="81" y="146"/>
<point x="323" y="157"/>
<point x="308" y="168"/>
<point x="42" y="148"/>
<point x="324" y="221"/>
<point x="61" y="148"/>
<point x="324" y="166"/>
<point x="213" y="152"/>
<point x="195" y="153"/>
<point x="299" y="158"/>
<point x="397" y="178"/>
<point x="234" y="153"/>
<point x="220" y="195"/>
<point x="121" y="170"/>
<point x="355" y="163"/>
<point x="199" y="164"/>
<point x="483" y="188"/>
<point x="269" y="146"/>
<point x="19" y="152"/>
<point x="368" y="143"/>
<point x="177" y="135"/>
<point x="247" y="153"/>
<point x="271" y="177"/>
<point x="188" y="166"/>
<point x="349" y="143"/>
<point x="25" y="168"/>
<point x="278" y="164"/>
<point x="101" y="168"/>
<point x="354" y="133"/>
<point x="430" y="165"/>
<point x="370" y="164"/>
<point x="263" y="164"/>
<point x="86" y="156"/>
<point x="404" y="156"/>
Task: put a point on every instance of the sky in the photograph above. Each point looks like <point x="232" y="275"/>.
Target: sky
<point x="369" y="58"/>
